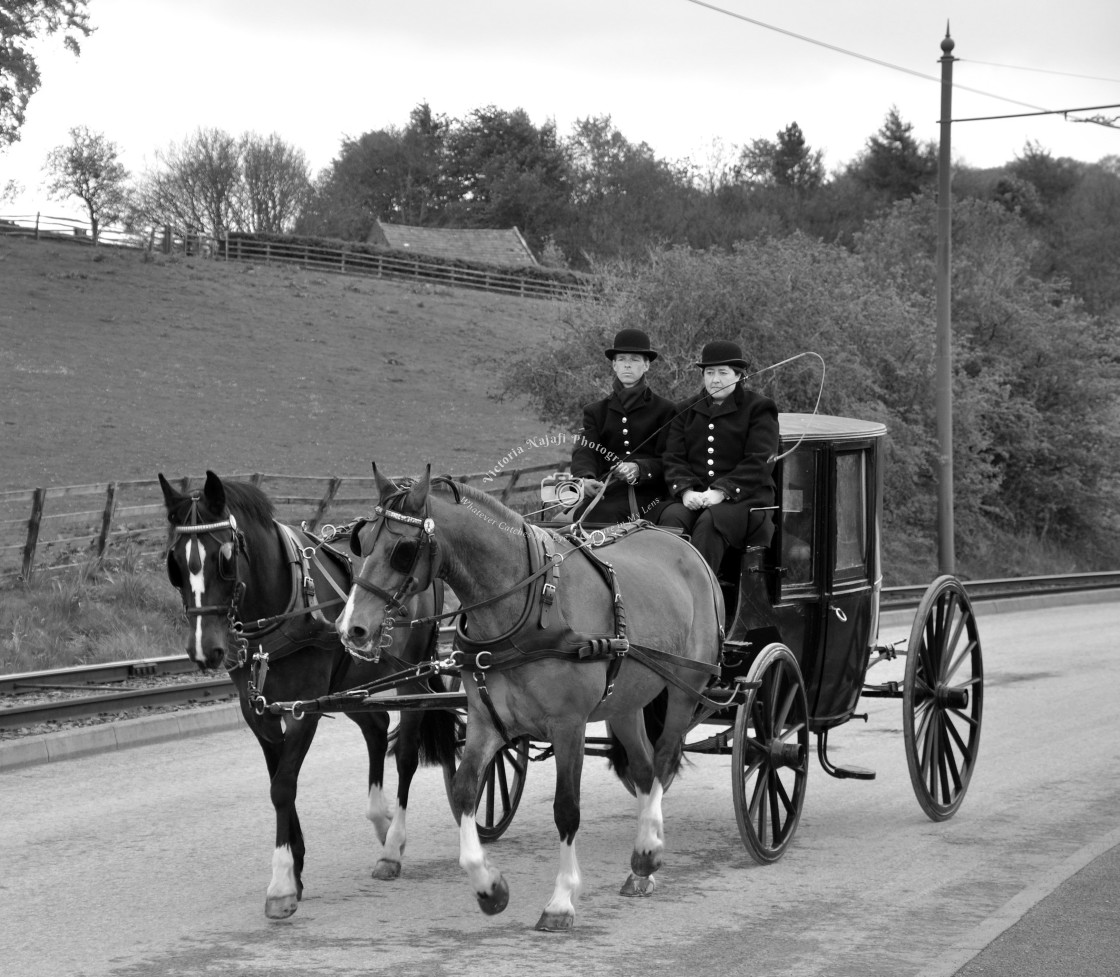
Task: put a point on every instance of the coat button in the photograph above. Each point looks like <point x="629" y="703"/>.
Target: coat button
<point x="711" y="437"/>
<point x="711" y="427"/>
<point x="711" y="473"/>
<point x="624" y="420"/>
<point x="711" y="451"/>
<point x="624" y="431"/>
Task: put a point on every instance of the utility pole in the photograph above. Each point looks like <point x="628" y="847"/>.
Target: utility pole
<point x="946" y="555"/>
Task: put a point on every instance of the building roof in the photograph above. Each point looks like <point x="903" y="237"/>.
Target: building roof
<point x="494" y="247"/>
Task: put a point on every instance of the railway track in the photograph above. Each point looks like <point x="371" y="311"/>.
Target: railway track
<point x="34" y="701"/>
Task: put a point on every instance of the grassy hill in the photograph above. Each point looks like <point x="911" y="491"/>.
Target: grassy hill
<point x="118" y="365"/>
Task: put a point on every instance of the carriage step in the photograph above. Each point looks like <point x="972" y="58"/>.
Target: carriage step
<point x="850" y="773"/>
<point x="839" y="772"/>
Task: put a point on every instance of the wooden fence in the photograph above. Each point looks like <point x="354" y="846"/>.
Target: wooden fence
<point x="337" y="258"/>
<point x="324" y="256"/>
<point x="62" y="528"/>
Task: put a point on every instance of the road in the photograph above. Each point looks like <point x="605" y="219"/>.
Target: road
<point x="154" y="860"/>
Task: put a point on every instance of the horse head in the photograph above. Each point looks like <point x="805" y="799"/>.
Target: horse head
<point x="206" y="563"/>
<point x="399" y="559"/>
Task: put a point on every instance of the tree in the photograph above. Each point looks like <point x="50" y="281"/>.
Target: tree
<point x="894" y="164"/>
<point x="88" y="168"/>
<point x="1034" y="396"/>
<point x="623" y="198"/>
<point x="503" y="171"/>
<point x="22" y="22"/>
<point x="391" y="174"/>
<point x="789" y="162"/>
<point x="198" y="186"/>
<point x="276" y="184"/>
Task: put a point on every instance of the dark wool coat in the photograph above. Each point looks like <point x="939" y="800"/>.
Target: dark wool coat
<point x="729" y="446"/>
<point x="611" y="434"/>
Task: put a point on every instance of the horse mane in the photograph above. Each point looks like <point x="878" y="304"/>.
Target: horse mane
<point x="249" y="501"/>
<point x="485" y="500"/>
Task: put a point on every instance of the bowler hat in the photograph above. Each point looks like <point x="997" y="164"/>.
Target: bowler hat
<point x="631" y="341"/>
<point x="722" y="352"/>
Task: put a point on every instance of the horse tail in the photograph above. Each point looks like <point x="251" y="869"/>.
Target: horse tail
<point x="441" y="733"/>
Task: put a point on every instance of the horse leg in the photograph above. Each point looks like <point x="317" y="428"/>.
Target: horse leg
<point x="559" y="913"/>
<point x="375" y="728"/>
<point x="649" y="843"/>
<point x="482" y="743"/>
<point x="286" y="886"/>
<point x="393" y="842"/>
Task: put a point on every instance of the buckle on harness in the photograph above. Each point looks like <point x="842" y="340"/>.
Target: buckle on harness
<point x="548" y="593"/>
<point x="478" y="663"/>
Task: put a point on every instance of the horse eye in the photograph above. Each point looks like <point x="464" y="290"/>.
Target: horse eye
<point x="227" y="567"/>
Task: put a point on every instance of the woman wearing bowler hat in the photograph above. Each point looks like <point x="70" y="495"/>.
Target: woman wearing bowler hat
<point x="719" y="460"/>
<point x="624" y="436"/>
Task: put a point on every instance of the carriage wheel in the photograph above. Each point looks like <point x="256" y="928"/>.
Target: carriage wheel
<point x="502" y="786"/>
<point x="770" y="755"/>
<point x="943" y="698"/>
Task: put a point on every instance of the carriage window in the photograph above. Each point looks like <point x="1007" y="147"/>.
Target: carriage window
<point x="851" y="512"/>
<point x="799" y="479"/>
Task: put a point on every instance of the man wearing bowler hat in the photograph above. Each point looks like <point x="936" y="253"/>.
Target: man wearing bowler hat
<point x="624" y="436"/>
<point x="719" y="460"/>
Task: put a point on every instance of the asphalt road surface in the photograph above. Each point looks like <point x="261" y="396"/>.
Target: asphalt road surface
<point x="154" y="860"/>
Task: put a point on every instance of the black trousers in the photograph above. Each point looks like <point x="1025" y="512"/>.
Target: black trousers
<point x="719" y="526"/>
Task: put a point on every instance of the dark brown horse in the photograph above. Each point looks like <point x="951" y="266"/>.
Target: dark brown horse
<point x="547" y="646"/>
<point x="249" y="589"/>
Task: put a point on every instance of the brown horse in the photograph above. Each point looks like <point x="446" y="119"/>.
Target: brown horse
<point x="244" y="579"/>
<point x="555" y="634"/>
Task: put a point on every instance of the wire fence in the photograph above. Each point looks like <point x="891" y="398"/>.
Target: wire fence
<point x="69" y="527"/>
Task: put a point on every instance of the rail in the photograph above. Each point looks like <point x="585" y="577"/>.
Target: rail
<point x="91" y="698"/>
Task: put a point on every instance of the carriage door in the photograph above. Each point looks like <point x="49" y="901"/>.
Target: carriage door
<point x="850" y="610"/>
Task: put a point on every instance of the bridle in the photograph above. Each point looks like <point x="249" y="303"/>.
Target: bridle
<point x="229" y="564"/>
<point x="404" y="558"/>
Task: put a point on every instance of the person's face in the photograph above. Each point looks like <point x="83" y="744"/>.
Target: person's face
<point x="719" y="381"/>
<point x="630" y="368"/>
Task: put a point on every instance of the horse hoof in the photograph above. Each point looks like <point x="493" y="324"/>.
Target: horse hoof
<point x="496" y="900"/>
<point x="280" y="907"/>
<point x="556" y="922"/>
<point x="638" y="885"/>
<point x="386" y="870"/>
<point x="645" y="863"/>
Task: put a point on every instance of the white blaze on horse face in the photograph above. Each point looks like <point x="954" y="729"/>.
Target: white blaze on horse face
<point x="197" y="582"/>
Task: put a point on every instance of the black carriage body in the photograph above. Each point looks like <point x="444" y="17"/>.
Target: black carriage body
<point x="821" y="579"/>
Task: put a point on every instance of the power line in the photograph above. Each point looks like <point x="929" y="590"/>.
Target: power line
<point x="1039" y="110"/>
<point x="1045" y="71"/>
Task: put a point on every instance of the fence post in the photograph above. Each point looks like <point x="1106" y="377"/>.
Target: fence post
<point x="36" y="225"/>
<point x="106" y="520"/>
<point x="325" y="503"/>
<point x="514" y="475"/>
<point x="38" y="497"/>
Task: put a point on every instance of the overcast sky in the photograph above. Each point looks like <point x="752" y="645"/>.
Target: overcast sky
<point x="679" y="75"/>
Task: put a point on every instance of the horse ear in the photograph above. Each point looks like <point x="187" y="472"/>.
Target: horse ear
<point x="215" y="493"/>
<point x="418" y="494"/>
<point x="170" y="496"/>
<point x="385" y="486"/>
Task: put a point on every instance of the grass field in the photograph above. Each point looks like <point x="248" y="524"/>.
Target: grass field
<point x="114" y="367"/>
<point x="117" y="367"/>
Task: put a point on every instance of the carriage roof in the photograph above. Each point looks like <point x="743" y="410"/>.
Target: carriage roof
<point x="825" y="427"/>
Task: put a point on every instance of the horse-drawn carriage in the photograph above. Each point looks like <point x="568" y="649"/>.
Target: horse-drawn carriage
<point x="629" y="627"/>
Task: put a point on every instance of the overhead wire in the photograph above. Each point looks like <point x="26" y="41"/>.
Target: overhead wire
<point x="887" y="64"/>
